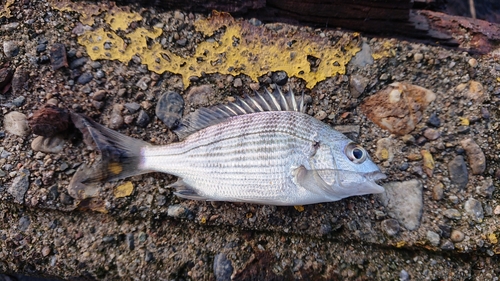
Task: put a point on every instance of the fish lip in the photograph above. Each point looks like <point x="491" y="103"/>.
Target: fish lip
<point x="374" y="176"/>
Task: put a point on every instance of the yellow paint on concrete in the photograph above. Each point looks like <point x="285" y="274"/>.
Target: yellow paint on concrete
<point x="386" y="51"/>
<point x="86" y="10"/>
<point x="299" y="208"/>
<point x="241" y="49"/>
<point x="400" y="244"/>
<point x="464" y="121"/>
<point x="124" y="190"/>
<point x="5" y="10"/>
<point x="493" y="238"/>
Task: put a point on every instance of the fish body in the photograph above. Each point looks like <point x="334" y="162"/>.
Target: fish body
<point x="272" y="157"/>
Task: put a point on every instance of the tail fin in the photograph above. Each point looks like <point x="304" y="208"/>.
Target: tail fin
<point x="120" y="154"/>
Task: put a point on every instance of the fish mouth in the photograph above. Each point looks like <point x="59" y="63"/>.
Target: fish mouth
<point x="374" y="176"/>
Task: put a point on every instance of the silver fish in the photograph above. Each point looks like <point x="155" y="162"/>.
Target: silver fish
<point x="262" y="149"/>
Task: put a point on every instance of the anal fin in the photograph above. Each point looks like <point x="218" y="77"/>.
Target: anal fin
<point x="184" y="190"/>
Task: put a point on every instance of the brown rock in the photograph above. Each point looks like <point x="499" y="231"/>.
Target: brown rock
<point x="398" y="108"/>
<point x="472" y="90"/>
<point x="475" y="156"/>
<point x="19" y="80"/>
<point x="5" y="78"/>
<point x="50" y="120"/>
<point x="58" y="57"/>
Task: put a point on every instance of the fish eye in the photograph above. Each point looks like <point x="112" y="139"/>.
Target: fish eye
<point x="355" y="153"/>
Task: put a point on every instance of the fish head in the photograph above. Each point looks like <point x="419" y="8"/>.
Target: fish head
<point x="343" y="168"/>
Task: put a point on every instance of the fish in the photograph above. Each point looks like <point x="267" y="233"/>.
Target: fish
<point x="261" y="149"/>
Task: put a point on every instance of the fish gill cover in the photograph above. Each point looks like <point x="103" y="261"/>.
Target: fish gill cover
<point x="241" y="49"/>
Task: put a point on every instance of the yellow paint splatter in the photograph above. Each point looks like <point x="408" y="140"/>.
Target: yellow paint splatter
<point x="241" y="49"/>
<point x="428" y="162"/>
<point x="299" y="208"/>
<point x="87" y="11"/>
<point x="400" y="244"/>
<point x="124" y="190"/>
<point x="203" y="220"/>
<point x="387" y="50"/>
<point x="464" y="121"/>
<point x="493" y="238"/>
<point x="5" y="10"/>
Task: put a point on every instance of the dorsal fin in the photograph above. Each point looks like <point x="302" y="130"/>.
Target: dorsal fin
<point x="266" y="101"/>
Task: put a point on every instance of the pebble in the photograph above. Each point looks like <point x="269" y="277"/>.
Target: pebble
<point x="453" y="214"/>
<point x="17" y="102"/>
<point x="10" y="49"/>
<point x="40" y="48"/>
<point x="418" y="57"/>
<point x="99" y="95"/>
<point x="385" y="149"/>
<point x="199" y="95"/>
<point x="170" y="108"/>
<point x="472" y="90"/>
<point x="398" y="108"/>
<point x="497" y="210"/>
<point x="143" y="83"/>
<point x="320" y="115"/>
<point x="458" y="173"/>
<point x="390" y="227"/>
<point x="181" y="42"/>
<point x="143" y="119"/>
<point x="115" y="121"/>
<point x="357" y="85"/>
<point x="432" y="134"/>
<point x="438" y="191"/>
<point x="16" y="123"/>
<point x="54" y="144"/>
<point x="237" y="82"/>
<point x="279" y="78"/>
<point x="363" y="57"/>
<point x="19" y="186"/>
<point x="434" y="120"/>
<point x="84" y="78"/>
<point x="404" y="276"/>
<point x="6" y="74"/>
<point x="132" y="107"/>
<point x="24" y="223"/>
<point x="447" y="246"/>
<point x="129" y="239"/>
<point x="477" y="160"/>
<point x="433" y="238"/>
<point x="445" y="230"/>
<point x="179" y="211"/>
<point x="457" y="236"/>
<point x="473" y="62"/>
<point x="486" y="189"/>
<point x="78" y="62"/>
<point x="474" y="209"/>
<point x="223" y="268"/>
<point x="46" y="251"/>
<point x="404" y="202"/>
<point x="19" y="81"/>
<point x="58" y="58"/>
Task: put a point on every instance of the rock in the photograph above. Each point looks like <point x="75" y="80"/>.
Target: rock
<point x="457" y="170"/>
<point x="427" y="162"/>
<point x="320" y="115"/>
<point x="472" y="90"/>
<point x="445" y="230"/>
<point x="24" y="223"/>
<point x="279" y="78"/>
<point x="404" y="276"/>
<point x="143" y="119"/>
<point x="237" y="82"/>
<point x="223" y="268"/>
<point x="457" y="236"/>
<point x="438" y="191"/>
<point x="385" y="149"/>
<point x="78" y="63"/>
<point x="143" y="83"/>
<point x="169" y="109"/>
<point x="357" y="85"/>
<point x="18" y="102"/>
<point x="475" y="156"/>
<point x="99" y="95"/>
<point x="15" y="123"/>
<point x="54" y="144"/>
<point x="50" y="120"/>
<point x="129" y="240"/>
<point x="19" y="81"/>
<point x="486" y="189"/>
<point x="46" y="251"/>
<point x="58" y="57"/>
<point x="199" y="95"/>
<point x="418" y="57"/>
<point x="447" y="246"/>
<point x="452" y="214"/>
<point x="10" y="49"/>
<point x="398" y="108"/>
<point x="473" y="62"/>
<point x="132" y="107"/>
<point x="434" y="120"/>
<point x="178" y="211"/>
<point x="363" y="57"/>
<point x="404" y="202"/>
<point x="6" y="74"/>
<point x="84" y="78"/>
<point x="474" y="209"/>
<point x="19" y="186"/>
<point x="433" y="238"/>
<point x="432" y="134"/>
<point x="390" y="227"/>
<point x="115" y="121"/>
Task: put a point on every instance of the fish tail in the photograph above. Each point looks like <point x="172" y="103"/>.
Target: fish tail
<point x="121" y="155"/>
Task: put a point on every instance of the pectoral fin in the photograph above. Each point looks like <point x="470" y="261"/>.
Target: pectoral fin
<point x="184" y="190"/>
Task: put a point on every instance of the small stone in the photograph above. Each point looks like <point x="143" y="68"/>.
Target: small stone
<point x="143" y="83"/>
<point x="477" y="160"/>
<point x="390" y="227"/>
<point x="255" y="22"/>
<point x="46" y="251"/>
<point x="161" y="200"/>
<point x="473" y="62"/>
<point x="279" y="78"/>
<point x="10" y="49"/>
<point x="432" y="134"/>
<point x="148" y="256"/>
<point x="434" y="120"/>
<point x="132" y="107"/>
<point x="66" y="199"/>
<point x="129" y="239"/>
<point x="50" y="120"/>
<point x="418" y="57"/>
<point x="363" y="57"/>
<point x="457" y="170"/>
<point x="472" y="90"/>
<point x="357" y="85"/>
<point x="497" y="210"/>
<point x="99" y="95"/>
<point x="474" y="209"/>
<point x="78" y="63"/>
<point x="438" y="191"/>
<point x="385" y="149"/>
<point x="453" y="214"/>
<point x="486" y="189"/>
<point x="223" y="268"/>
<point x="169" y="109"/>
<point x="17" y="102"/>
<point x="237" y="82"/>
<point x="178" y="211"/>
<point x="321" y="115"/>
<point x="19" y="186"/>
<point x="447" y="246"/>
<point x="116" y="121"/>
<point x="84" y="78"/>
<point x="179" y="15"/>
<point x="254" y="86"/>
<point x="16" y="123"/>
<point x="453" y="199"/>
<point x="404" y="276"/>
<point x="408" y="139"/>
<point x="427" y="162"/>
<point x="53" y="144"/>
<point x="457" y="236"/>
<point x="6" y="75"/>
<point x="143" y="119"/>
<point x="24" y="223"/>
<point x="404" y="202"/>
<point x="108" y="239"/>
<point x="181" y="42"/>
<point x="433" y="238"/>
<point x="19" y="81"/>
<point x="445" y="230"/>
<point x="58" y="57"/>
<point x="199" y="95"/>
